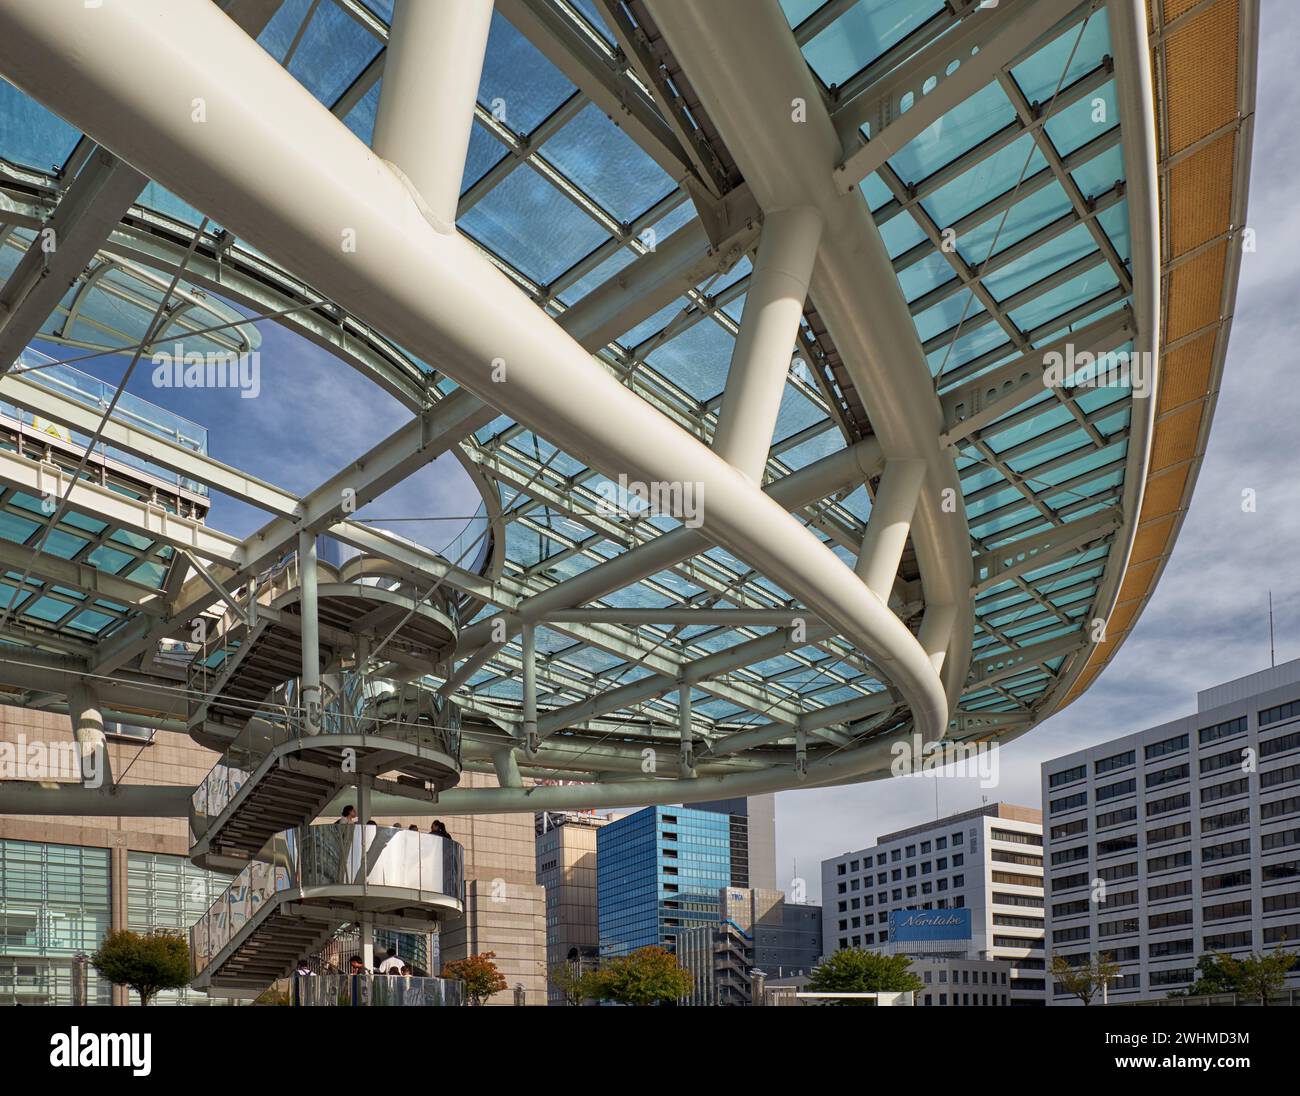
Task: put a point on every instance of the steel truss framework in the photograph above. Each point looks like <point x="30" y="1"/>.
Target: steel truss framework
<point x="806" y="257"/>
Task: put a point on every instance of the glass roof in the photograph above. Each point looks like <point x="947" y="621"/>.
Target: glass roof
<point x="561" y="198"/>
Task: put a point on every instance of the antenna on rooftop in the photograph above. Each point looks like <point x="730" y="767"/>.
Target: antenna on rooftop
<point x="1272" y="653"/>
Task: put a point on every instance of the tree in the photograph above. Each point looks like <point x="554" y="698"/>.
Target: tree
<point x="1257" y="976"/>
<point x="1087" y="979"/>
<point x="479" y="974"/>
<point x="855" y="970"/>
<point x="146" y="963"/>
<point x="571" y="981"/>
<point x="648" y="976"/>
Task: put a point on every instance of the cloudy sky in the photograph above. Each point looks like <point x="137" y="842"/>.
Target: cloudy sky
<point x="1206" y="623"/>
<point x="1208" y="620"/>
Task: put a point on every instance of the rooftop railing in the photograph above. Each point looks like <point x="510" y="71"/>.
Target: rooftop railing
<point x="96" y="394"/>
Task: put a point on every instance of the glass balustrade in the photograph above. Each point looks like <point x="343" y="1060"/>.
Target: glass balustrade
<point x="339" y="855"/>
<point x="380" y="990"/>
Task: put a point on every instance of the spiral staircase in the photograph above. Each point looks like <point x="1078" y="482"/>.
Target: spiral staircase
<point x="297" y="883"/>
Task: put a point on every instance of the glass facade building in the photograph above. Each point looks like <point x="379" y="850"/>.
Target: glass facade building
<point x="659" y="871"/>
<point x="168" y="894"/>
<point x="54" y="903"/>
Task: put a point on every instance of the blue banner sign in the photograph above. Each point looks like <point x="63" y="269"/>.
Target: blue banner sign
<point x="911" y="925"/>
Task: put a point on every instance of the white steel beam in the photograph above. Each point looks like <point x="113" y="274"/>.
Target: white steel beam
<point x="776" y="125"/>
<point x="888" y="525"/>
<point x="92" y="205"/>
<point x="760" y="359"/>
<point x="916" y="94"/>
<point x="426" y="102"/>
<point x="38" y="478"/>
<point x="17" y="389"/>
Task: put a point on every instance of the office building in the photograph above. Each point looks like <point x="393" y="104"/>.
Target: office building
<point x="786" y="936"/>
<point x="953" y="980"/>
<point x="658" y="871"/>
<point x="987" y="861"/>
<point x="1180" y="840"/>
<point x="566" y="870"/>
<point x="753" y="838"/>
<point x="757" y="930"/>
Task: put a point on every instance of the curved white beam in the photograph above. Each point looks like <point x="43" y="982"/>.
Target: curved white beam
<point x="777" y="128"/>
<point x="364" y="237"/>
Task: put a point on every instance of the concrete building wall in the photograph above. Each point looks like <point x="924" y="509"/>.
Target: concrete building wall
<point x="1181" y="839"/>
<point x="566" y="870"/>
<point x="508" y="919"/>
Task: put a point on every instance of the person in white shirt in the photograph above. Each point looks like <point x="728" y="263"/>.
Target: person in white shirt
<point x="392" y="964"/>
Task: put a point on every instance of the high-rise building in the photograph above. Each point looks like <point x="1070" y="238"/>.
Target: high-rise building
<point x="566" y="869"/>
<point x="753" y="838"/>
<point x="988" y="861"/>
<point x="756" y="930"/>
<point x="1180" y="840"/>
<point x="658" y="871"/>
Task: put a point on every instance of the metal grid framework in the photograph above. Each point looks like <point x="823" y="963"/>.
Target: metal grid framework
<point x="1002" y="154"/>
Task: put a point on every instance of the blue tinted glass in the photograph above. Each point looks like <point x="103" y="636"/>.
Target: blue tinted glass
<point x="696" y="360"/>
<point x="607" y="164"/>
<point x="863" y="33"/>
<point x="332" y="53"/>
<point x="1100" y="173"/>
<point x="533" y="226"/>
<point x="961" y="128"/>
<point x="1072" y="53"/>
<point x="29" y="134"/>
<point x="948" y="313"/>
<point x="1084" y="121"/>
<point x="1073" y="293"/>
<point x="1041" y="262"/>
<point x="519" y="86"/>
<point x="992" y="176"/>
<point x="1026" y="217"/>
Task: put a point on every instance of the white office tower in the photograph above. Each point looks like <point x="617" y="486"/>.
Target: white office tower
<point x="1180" y="840"/>
<point x="986" y="863"/>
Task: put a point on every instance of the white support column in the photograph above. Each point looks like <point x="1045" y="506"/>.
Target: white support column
<point x="936" y="631"/>
<point x="768" y="327"/>
<point x="310" y="693"/>
<point x="530" y="692"/>
<point x="426" y="102"/>
<point x="88" y="729"/>
<point x="684" y="728"/>
<point x="889" y="523"/>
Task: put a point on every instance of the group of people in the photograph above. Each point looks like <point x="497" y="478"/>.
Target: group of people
<point x="391" y="964"/>
<point x="438" y="829"/>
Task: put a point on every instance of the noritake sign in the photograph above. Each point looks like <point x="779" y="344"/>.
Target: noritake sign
<point x="907" y="926"/>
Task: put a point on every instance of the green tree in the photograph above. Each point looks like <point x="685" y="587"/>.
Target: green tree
<point x="146" y="963"/>
<point x="648" y="976"/>
<point x="1086" y="980"/>
<point x="571" y="981"/>
<point x="481" y="977"/>
<point x="1257" y="976"/>
<point x="855" y="970"/>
